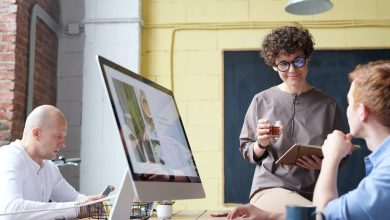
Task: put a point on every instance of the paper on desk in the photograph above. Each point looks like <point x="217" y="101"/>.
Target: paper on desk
<point x="96" y="201"/>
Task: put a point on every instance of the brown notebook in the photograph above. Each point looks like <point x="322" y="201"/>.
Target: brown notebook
<point x="298" y="150"/>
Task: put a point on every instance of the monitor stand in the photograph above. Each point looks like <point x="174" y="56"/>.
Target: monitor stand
<point x="124" y="199"/>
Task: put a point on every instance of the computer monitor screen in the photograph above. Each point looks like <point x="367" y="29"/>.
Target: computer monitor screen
<point x="157" y="150"/>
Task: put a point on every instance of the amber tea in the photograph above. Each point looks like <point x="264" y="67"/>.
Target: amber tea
<point x="274" y="130"/>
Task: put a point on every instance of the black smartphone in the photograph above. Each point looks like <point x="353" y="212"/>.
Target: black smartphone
<point x="108" y="190"/>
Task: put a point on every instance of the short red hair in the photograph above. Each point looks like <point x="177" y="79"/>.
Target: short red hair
<point x="372" y="88"/>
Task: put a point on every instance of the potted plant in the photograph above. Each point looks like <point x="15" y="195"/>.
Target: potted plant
<point x="164" y="209"/>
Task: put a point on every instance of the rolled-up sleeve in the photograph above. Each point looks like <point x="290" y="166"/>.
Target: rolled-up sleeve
<point x="248" y="133"/>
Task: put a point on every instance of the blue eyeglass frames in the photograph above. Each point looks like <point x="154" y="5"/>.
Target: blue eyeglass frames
<point x="284" y="66"/>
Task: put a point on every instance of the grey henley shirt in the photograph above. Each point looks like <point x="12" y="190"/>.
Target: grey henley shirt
<point x="307" y="118"/>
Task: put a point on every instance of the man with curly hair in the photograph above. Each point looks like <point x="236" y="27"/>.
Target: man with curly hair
<point x="368" y="118"/>
<point x="307" y="114"/>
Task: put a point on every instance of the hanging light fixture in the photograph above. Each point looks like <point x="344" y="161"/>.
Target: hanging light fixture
<point x="308" y="7"/>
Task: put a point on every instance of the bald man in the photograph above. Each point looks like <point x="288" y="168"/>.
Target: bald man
<point x="28" y="177"/>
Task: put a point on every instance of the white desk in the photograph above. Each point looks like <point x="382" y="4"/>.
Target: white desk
<point x="186" y="215"/>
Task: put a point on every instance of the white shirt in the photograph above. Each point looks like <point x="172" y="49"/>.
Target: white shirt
<point x="25" y="185"/>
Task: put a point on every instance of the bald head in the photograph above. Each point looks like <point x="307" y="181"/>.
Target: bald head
<point x="44" y="133"/>
<point x="42" y="117"/>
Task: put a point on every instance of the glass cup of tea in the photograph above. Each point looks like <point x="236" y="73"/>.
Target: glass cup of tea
<point x="275" y="130"/>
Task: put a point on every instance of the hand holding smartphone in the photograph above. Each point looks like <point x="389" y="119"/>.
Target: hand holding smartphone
<point x="108" y="190"/>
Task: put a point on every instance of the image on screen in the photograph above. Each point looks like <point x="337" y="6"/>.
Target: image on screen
<point x="150" y="127"/>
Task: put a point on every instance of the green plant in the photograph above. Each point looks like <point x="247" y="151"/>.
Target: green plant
<point x="165" y="202"/>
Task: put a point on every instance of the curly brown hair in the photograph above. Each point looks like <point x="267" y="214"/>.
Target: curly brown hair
<point x="286" y="40"/>
<point x="372" y="88"/>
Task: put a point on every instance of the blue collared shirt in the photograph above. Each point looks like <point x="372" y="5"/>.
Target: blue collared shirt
<point x="371" y="198"/>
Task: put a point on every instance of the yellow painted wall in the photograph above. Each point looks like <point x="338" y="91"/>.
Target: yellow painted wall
<point x="182" y="47"/>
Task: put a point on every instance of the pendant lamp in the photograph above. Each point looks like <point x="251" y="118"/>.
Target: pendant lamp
<point x="308" y="7"/>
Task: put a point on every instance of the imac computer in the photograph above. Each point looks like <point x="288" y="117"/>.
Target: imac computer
<point x="160" y="160"/>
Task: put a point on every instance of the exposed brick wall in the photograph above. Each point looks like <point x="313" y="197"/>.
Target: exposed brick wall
<point x="14" y="52"/>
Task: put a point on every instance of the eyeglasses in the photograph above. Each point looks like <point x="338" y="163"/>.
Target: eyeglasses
<point x="284" y="66"/>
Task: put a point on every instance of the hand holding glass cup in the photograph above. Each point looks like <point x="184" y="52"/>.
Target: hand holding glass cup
<point x="267" y="131"/>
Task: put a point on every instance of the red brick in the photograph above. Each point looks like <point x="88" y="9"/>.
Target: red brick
<point x="8" y="37"/>
<point x="15" y="75"/>
<point x="6" y="115"/>
<point x="8" y="8"/>
<point x="6" y="106"/>
<point x="7" y="47"/>
<point x="7" y="75"/>
<point x="6" y="66"/>
<point x="7" y="57"/>
<point x="7" y="85"/>
<point x="9" y="1"/>
<point x="9" y="17"/>
<point x="6" y="95"/>
<point x="8" y="27"/>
